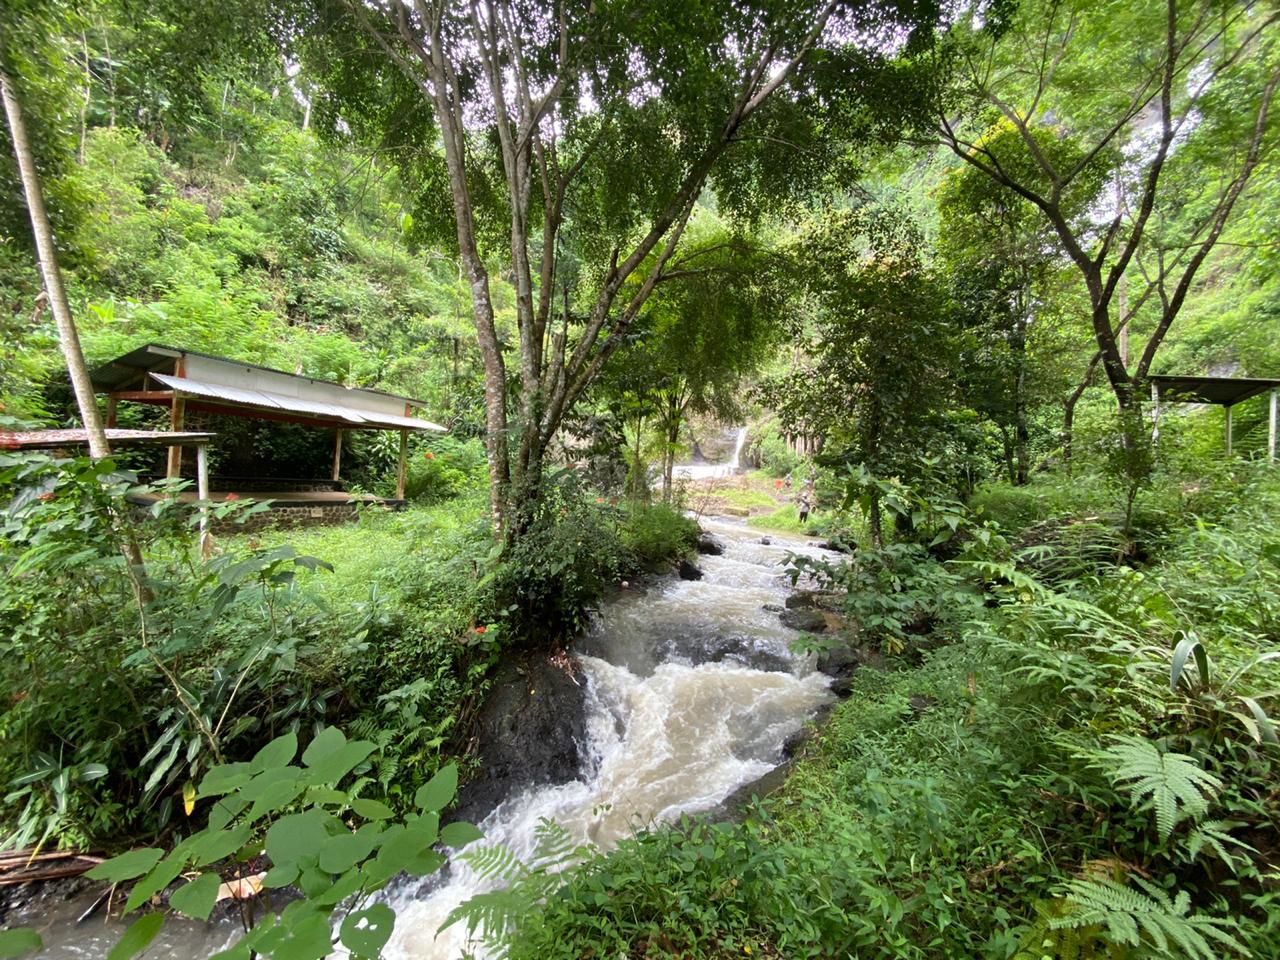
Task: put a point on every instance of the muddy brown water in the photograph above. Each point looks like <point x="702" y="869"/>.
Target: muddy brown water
<point x="692" y="692"/>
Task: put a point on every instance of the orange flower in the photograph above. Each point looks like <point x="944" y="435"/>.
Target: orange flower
<point x="231" y="496"/>
<point x="46" y="496"/>
<point x="599" y="499"/>
<point x="428" y="455"/>
<point x="479" y="629"/>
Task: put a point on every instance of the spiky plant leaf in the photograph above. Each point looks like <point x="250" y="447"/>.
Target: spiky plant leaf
<point x="1216" y="835"/>
<point x="1174" y="784"/>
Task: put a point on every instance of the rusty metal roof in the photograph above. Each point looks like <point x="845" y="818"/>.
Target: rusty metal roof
<point x="53" y="439"/>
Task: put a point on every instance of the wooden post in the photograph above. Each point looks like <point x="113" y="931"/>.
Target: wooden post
<point x="337" y="453"/>
<point x="177" y="415"/>
<point x="1228" y="430"/>
<point x="111" y="411"/>
<point x="400" y="472"/>
<point x="202" y="490"/>
<point x="1271" y="429"/>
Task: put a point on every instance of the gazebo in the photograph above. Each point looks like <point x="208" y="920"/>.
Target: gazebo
<point x="190" y="383"/>
<point x="1224" y="392"/>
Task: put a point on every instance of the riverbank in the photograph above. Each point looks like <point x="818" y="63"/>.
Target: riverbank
<point x="976" y="796"/>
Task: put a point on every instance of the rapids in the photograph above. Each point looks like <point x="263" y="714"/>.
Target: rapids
<point x="692" y="692"/>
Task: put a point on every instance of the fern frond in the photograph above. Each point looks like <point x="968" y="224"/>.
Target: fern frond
<point x="494" y="863"/>
<point x="1216" y="835"/>
<point x="1147" y="917"/>
<point x="1174" y="784"/>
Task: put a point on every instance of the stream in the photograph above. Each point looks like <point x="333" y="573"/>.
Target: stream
<point x="692" y="692"/>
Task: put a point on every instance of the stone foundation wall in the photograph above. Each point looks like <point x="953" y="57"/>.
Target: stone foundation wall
<point x="296" y="515"/>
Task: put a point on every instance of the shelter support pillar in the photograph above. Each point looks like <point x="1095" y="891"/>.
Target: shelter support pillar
<point x="1271" y="428"/>
<point x="111" y="412"/>
<point x="400" y="470"/>
<point x="202" y="490"/>
<point x="337" y="453"/>
<point x="1155" y="414"/>
<point x="1229" y="437"/>
<point x="177" y="416"/>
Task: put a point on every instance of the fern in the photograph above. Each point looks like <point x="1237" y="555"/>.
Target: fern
<point x="1147" y="918"/>
<point x="524" y="886"/>
<point x="1216" y="836"/>
<point x="1176" y="786"/>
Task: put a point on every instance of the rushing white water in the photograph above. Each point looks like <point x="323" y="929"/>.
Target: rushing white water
<point x="679" y="716"/>
<point x="702" y="471"/>
<point x="692" y="692"/>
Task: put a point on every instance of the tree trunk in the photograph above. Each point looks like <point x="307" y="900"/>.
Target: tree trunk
<point x="68" y="338"/>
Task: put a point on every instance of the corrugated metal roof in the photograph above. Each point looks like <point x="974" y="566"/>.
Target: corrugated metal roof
<point x="278" y="401"/>
<point x="125" y="369"/>
<point x="1224" y="391"/>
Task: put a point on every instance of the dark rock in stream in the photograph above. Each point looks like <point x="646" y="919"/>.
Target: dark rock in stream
<point x="530" y="731"/>
<point x="688" y="571"/>
<point x="741" y="650"/>
<point x="710" y="546"/>
<point x="806" y="620"/>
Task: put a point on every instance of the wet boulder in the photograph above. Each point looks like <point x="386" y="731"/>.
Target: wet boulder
<point x="710" y="546"/>
<point x="806" y="620"/>
<point x="530" y="730"/>
<point x="688" y="571"/>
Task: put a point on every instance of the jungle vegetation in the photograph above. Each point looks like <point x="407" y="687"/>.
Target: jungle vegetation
<point x="930" y="254"/>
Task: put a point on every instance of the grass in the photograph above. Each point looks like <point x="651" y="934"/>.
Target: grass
<point x="786" y="519"/>
<point x="368" y="555"/>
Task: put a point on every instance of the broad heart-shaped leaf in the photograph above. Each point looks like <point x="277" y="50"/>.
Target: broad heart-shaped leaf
<point x="367" y="931"/>
<point x="216" y="844"/>
<point x="326" y="742"/>
<point x="308" y="939"/>
<point x="224" y="778"/>
<point x="277" y="753"/>
<point x="17" y="941"/>
<point x="339" y="854"/>
<point x="335" y="765"/>
<point x="138" y="937"/>
<point x="126" y="866"/>
<point x="164" y="874"/>
<point x="273" y="790"/>
<point x="197" y="898"/>
<point x="371" y="809"/>
<point x="459" y="834"/>
<point x="438" y="791"/>
<point x="297" y="836"/>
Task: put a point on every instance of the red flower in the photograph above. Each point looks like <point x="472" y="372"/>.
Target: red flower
<point x="232" y="496"/>
<point x="599" y="499"/>
<point x="428" y="455"/>
<point x="479" y="629"/>
<point x="46" y="497"/>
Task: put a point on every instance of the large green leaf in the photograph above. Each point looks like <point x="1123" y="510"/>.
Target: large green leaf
<point x="459" y="834"/>
<point x="277" y="753"/>
<point x="367" y="931"/>
<point x="339" y="854"/>
<point x="17" y="941"/>
<point x="197" y="898"/>
<point x="435" y="795"/>
<point x="138" y="937"/>
<point x="298" y="835"/>
<point x="126" y="866"/>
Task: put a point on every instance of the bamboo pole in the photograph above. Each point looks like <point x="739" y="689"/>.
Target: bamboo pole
<point x="68" y="337"/>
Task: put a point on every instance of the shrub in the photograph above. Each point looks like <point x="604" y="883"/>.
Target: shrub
<point x="657" y="533"/>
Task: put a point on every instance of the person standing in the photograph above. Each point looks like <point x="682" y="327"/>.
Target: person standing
<point x="804" y="501"/>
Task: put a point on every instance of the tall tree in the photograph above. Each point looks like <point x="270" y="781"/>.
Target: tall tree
<point x="879" y="342"/>
<point x="1169" y="104"/>
<point x="712" y="315"/>
<point x="589" y="130"/>
<point x="46" y="250"/>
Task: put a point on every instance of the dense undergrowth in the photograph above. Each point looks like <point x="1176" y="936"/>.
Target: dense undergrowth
<point x="123" y="685"/>
<point x="1068" y="754"/>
